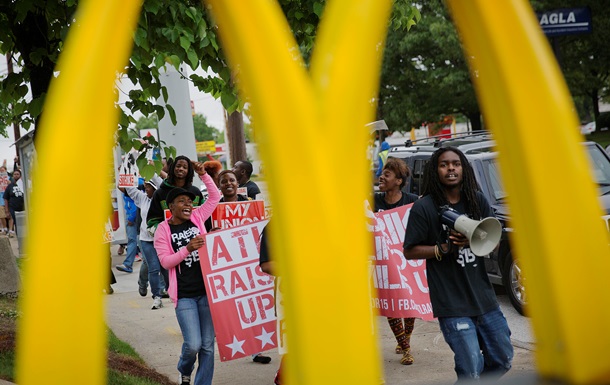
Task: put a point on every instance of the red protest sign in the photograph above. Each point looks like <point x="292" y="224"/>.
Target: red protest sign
<point x="240" y="294"/>
<point x="231" y="214"/>
<point x="402" y="286"/>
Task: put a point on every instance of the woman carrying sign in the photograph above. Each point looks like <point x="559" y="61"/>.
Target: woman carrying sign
<point x="227" y="181"/>
<point x="177" y="241"/>
<point x="393" y="178"/>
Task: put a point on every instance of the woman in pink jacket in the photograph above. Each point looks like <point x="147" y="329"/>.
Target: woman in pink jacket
<point x="177" y="241"/>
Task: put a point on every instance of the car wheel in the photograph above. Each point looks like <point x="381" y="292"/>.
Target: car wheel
<point x="513" y="281"/>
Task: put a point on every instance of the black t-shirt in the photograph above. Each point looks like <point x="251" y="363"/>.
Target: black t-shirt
<point x="188" y="272"/>
<point x="382" y="205"/>
<point x="14" y="195"/>
<point x="459" y="285"/>
<point x="158" y="205"/>
<point x="252" y="189"/>
<point x="264" y="247"/>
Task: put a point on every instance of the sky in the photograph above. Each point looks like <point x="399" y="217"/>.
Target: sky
<point x="204" y="104"/>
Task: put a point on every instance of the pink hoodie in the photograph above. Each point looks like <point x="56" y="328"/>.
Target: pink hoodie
<point x="163" y="236"/>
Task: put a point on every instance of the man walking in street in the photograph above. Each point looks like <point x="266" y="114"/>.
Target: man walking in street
<point x="462" y="296"/>
<point x="243" y="170"/>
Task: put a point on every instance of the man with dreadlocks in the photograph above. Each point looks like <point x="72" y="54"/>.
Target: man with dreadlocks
<point x="462" y="296"/>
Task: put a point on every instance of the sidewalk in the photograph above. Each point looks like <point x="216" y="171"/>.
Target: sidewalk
<point x="156" y="336"/>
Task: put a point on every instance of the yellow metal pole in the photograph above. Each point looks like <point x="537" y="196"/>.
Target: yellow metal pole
<point x="62" y="337"/>
<point x="309" y="125"/>
<point x="559" y="237"/>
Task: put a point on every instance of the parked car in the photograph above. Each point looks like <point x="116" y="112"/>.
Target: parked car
<point x="502" y="266"/>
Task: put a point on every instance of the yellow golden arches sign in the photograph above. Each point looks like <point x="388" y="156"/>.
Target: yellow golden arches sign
<point x="62" y="337"/>
<point x="558" y="239"/>
<point x="310" y="125"/>
<point x="323" y="103"/>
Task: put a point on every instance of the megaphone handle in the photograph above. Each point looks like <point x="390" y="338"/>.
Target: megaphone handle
<point x="444" y="252"/>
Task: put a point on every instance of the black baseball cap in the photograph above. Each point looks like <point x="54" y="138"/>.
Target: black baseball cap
<point x="176" y="192"/>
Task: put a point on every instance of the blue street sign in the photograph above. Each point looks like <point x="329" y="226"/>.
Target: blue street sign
<point x="565" y="21"/>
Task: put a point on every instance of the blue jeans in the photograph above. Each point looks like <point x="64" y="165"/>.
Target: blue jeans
<point x="481" y="345"/>
<point x="143" y="277"/>
<point x="154" y="267"/>
<point x="132" y="245"/>
<point x="195" y="322"/>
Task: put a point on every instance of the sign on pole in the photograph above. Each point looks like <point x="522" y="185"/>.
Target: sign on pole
<point x="565" y="21"/>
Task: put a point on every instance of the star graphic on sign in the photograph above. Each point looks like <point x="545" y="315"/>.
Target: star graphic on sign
<point x="179" y="243"/>
<point x="236" y="346"/>
<point x="265" y="338"/>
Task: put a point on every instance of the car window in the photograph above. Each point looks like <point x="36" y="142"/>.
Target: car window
<point x="418" y="175"/>
<point x="493" y="172"/>
<point x="600" y="165"/>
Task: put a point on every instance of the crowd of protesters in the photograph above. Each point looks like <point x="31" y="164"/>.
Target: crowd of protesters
<point x="175" y="215"/>
<point x="167" y="234"/>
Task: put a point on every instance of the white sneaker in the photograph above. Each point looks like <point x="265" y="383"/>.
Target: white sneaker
<point x="184" y="380"/>
<point x="11" y="234"/>
<point x="157" y="304"/>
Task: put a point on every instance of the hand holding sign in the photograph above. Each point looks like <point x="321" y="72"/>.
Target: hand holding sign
<point x="195" y="244"/>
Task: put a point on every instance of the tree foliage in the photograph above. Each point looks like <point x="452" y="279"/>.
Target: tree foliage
<point x="205" y="132"/>
<point x="145" y="122"/>
<point x="177" y="33"/>
<point x="425" y="75"/>
<point x="584" y="58"/>
<point x="34" y="31"/>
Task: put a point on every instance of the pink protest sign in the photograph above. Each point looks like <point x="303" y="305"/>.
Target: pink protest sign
<point x="240" y="294"/>
<point x="4" y="181"/>
<point x="402" y="286"/>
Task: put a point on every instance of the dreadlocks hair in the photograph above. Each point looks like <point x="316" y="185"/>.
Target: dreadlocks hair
<point x="171" y="177"/>
<point x="432" y="185"/>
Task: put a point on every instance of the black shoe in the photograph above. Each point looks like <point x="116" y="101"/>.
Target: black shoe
<point x="164" y="294"/>
<point x="261" y="359"/>
<point x="143" y="291"/>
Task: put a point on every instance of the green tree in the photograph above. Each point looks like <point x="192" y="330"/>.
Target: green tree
<point x="177" y="33"/>
<point x="145" y="122"/>
<point x="425" y="75"/>
<point x="204" y="132"/>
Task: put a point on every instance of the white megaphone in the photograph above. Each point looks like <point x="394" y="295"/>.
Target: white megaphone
<point x="483" y="235"/>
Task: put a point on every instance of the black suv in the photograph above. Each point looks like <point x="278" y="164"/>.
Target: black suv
<point x="502" y="266"/>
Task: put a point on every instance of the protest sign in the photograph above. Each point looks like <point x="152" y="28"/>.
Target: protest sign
<point x="128" y="172"/>
<point x="241" y="296"/>
<point x="4" y="181"/>
<point x="231" y="214"/>
<point x="401" y="285"/>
